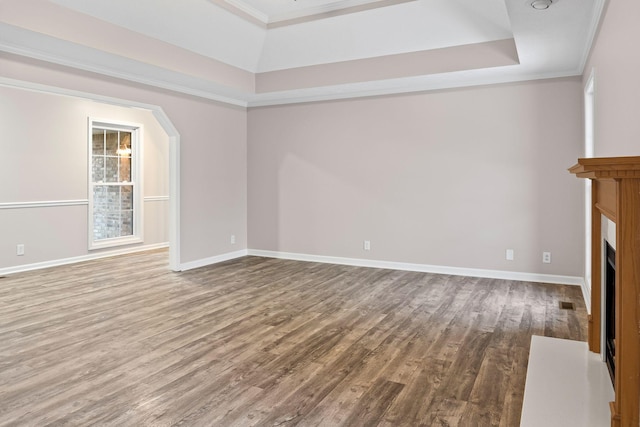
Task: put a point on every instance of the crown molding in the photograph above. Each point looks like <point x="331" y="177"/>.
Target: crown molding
<point x="49" y="49"/>
<point x="400" y="86"/>
<point x="246" y="9"/>
<point x="593" y="31"/>
<point x="328" y="10"/>
<point x="26" y="43"/>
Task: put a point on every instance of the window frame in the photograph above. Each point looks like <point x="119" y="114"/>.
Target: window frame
<point x="137" y="132"/>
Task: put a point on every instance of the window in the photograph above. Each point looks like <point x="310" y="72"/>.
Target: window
<point x="114" y="187"/>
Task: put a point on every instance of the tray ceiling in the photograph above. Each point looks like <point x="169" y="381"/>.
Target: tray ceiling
<point x="299" y="50"/>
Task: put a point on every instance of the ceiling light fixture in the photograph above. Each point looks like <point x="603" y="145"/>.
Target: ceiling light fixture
<point x="123" y="151"/>
<point x="541" y="4"/>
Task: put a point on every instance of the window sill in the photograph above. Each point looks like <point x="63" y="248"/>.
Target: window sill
<point x="117" y="241"/>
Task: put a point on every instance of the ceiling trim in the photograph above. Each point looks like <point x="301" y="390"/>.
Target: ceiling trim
<point x="291" y="19"/>
<point x="247" y="13"/>
<point x="244" y="7"/>
<point x="594" y="26"/>
<point x="329" y="10"/>
<point x="32" y="45"/>
<point x="353" y="90"/>
<point x="398" y="87"/>
<point x="483" y="55"/>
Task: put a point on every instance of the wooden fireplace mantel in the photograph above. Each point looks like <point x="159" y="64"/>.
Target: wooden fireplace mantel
<point x="616" y="194"/>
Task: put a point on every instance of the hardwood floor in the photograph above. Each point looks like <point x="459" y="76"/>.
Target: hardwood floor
<point x="266" y="342"/>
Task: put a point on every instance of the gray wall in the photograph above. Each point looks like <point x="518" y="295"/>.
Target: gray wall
<point x="213" y="155"/>
<point x="449" y="178"/>
<point x="44" y="159"/>
<point x="616" y="62"/>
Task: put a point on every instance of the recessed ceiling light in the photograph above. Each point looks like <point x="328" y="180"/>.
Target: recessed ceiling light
<point x="541" y="4"/>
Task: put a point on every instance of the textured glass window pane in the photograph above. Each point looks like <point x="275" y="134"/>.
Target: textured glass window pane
<point x="113" y="223"/>
<point x="98" y="142"/>
<point x="99" y="213"/>
<point x="99" y="225"/>
<point x="125" y="169"/>
<point x="112" y="143"/>
<point x="111" y="169"/>
<point x="126" y="197"/>
<point x="97" y="168"/>
<point x="99" y="196"/>
<point x="113" y="197"/>
<point x="126" y="219"/>
<point x="125" y="140"/>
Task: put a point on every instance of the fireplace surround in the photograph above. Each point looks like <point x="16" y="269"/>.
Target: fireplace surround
<point x="616" y="195"/>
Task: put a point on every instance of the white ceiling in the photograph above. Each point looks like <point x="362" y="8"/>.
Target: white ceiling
<point x="203" y="27"/>
<point x="271" y="36"/>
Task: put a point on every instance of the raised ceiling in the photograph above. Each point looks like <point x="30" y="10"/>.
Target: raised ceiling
<point x="262" y="52"/>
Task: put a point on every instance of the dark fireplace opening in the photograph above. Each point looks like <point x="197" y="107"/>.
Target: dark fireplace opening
<point x="610" y="311"/>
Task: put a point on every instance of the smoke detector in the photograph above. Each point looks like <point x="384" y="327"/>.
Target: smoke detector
<point x="541" y="4"/>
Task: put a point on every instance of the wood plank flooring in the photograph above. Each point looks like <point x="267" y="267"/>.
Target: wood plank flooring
<point x="266" y="342"/>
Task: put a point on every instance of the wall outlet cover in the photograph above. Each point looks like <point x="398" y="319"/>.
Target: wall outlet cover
<point x="509" y="255"/>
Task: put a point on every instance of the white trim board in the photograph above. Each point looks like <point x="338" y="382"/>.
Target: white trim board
<point x="356" y="262"/>
<point x="22" y="42"/>
<point x="156" y="198"/>
<point x="212" y="260"/>
<point x="424" y="268"/>
<point x="81" y="258"/>
<point x="44" y="204"/>
<point x="59" y="203"/>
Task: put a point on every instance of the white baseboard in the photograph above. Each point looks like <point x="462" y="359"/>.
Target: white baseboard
<point x="88" y="257"/>
<point x="357" y="262"/>
<point x="212" y="260"/>
<point x="425" y="268"/>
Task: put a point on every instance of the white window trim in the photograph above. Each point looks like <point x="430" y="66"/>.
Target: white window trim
<point x="137" y="138"/>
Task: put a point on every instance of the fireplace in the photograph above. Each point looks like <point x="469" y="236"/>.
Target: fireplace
<point x="610" y="311"/>
<point x="615" y="284"/>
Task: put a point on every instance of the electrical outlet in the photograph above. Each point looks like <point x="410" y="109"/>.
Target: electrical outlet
<point x="367" y="245"/>
<point x="233" y="239"/>
<point x="20" y="250"/>
<point x="546" y="257"/>
<point x="509" y="255"/>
